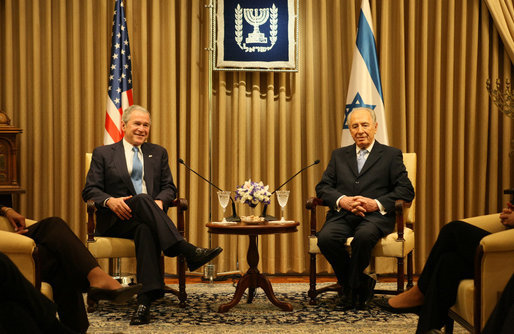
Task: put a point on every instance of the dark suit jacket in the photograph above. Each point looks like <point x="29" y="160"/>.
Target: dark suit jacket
<point x="108" y="177"/>
<point x="383" y="177"/>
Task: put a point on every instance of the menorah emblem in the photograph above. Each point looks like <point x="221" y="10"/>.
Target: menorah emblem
<point x="256" y="17"/>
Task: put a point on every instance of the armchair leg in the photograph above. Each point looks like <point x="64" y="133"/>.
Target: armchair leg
<point x="401" y="275"/>
<point x="312" y="280"/>
<point x="410" y="271"/>
<point x="181" y="269"/>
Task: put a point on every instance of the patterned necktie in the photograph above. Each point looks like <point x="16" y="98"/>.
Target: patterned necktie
<point x="361" y="159"/>
<point x="137" y="172"/>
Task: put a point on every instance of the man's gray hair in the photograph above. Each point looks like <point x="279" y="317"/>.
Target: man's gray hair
<point x="126" y="114"/>
<point x="371" y="111"/>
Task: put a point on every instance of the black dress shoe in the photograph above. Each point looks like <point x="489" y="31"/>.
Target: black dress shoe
<point x="201" y="257"/>
<point x="366" y="292"/>
<point x="120" y="295"/>
<point x="384" y="304"/>
<point x="347" y="301"/>
<point x="141" y="315"/>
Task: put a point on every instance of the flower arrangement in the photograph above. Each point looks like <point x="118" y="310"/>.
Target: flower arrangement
<point x="253" y="193"/>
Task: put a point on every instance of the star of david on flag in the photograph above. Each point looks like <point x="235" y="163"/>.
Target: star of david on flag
<point x="365" y="88"/>
<point x="120" y="77"/>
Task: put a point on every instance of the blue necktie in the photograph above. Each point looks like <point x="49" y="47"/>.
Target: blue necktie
<point x="361" y="159"/>
<point x="137" y="172"/>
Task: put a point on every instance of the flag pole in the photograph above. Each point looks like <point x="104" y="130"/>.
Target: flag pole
<point x="210" y="273"/>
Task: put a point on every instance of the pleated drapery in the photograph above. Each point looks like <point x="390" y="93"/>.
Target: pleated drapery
<point x="435" y="57"/>
<point x="502" y="12"/>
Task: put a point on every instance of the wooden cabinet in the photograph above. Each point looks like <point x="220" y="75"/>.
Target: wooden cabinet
<point x="8" y="159"/>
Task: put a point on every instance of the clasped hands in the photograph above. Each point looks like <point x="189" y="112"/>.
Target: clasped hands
<point x="121" y="209"/>
<point x="358" y="205"/>
<point x="507" y="216"/>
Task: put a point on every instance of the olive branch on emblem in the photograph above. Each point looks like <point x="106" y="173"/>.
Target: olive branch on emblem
<point x="239" y="24"/>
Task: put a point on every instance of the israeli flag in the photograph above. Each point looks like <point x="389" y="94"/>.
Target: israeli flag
<point x="365" y="88"/>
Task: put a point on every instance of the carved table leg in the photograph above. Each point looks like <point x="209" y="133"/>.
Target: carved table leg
<point x="253" y="279"/>
<point x="242" y="285"/>
<point x="264" y="283"/>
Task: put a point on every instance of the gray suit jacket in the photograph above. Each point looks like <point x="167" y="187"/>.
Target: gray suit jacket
<point x="108" y="177"/>
<point x="383" y="177"/>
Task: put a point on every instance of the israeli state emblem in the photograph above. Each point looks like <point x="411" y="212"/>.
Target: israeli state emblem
<point x="256" y="41"/>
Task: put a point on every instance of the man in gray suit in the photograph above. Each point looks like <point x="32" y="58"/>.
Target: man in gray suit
<point x="361" y="184"/>
<point x="132" y="187"/>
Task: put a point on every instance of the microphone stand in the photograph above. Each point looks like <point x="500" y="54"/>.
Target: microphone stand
<point x="234" y="217"/>
<point x="210" y="274"/>
<point x="265" y="208"/>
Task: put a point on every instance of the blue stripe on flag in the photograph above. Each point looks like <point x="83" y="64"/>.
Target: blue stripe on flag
<point x="367" y="48"/>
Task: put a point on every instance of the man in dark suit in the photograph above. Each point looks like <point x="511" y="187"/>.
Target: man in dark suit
<point x="361" y="183"/>
<point x="131" y="184"/>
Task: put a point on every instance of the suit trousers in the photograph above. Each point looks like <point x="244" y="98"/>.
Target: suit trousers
<point x="24" y="309"/>
<point x="65" y="264"/>
<point x="450" y="261"/>
<point x="153" y="232"/>
<point x="332" y="239"/>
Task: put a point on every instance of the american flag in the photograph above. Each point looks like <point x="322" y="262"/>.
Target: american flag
<point x="120" y="78"/>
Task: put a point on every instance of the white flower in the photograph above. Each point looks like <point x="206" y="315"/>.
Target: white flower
<point x="252" y="193"/>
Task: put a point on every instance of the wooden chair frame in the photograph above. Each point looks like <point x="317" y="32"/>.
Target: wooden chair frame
<point x="182" y="205"/>
<point x="400" y="205"/>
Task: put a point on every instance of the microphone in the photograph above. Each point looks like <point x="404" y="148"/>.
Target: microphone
<point x="234" y="217"/>
<point x="268" y="217"/>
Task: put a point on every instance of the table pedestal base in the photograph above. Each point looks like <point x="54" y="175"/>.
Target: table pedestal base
<point x="254" y="279"/>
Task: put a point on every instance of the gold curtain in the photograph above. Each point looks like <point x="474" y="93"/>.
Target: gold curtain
<point x="502" y="12"/>
<point x="435" y="57"/>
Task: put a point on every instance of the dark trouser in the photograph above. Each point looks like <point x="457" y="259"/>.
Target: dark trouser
<point x="332" y="239"/>
<point x="502" y="319"/>
<point x="23" y="309"/>
<point x="450" y="261"/>
<point x="152" y="231"/>
<point x="65" y="264"/>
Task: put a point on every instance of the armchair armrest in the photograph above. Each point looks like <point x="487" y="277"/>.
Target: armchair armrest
<point x="493" y="268"/>
<point x="22" y="251"/>
<point x="313" y="202"/>
<point x="311" y="205"/>
<point x="181" y="204"/>
<point x="489" y="223"/>
<point x="12" y="243"/>
<point x="498" y="242"/>
<point x="399" y="206"/>
<point x="91" y="224"/>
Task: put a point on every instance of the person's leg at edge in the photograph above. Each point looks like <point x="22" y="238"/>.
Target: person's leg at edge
<point x="455" y="236"/>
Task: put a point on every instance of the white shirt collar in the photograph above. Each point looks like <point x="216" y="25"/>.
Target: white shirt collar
<point x="369" y="148"/>
<point x="128" y="146"/>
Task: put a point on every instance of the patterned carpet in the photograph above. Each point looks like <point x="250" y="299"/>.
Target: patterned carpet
<point x="201" y="316"/>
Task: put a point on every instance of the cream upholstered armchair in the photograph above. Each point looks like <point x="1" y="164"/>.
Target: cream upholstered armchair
<point x="22" y="251"/>
<point x="114" y="249"/>
<point x="494" y="265"/>
<point x="399" y="244"/>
